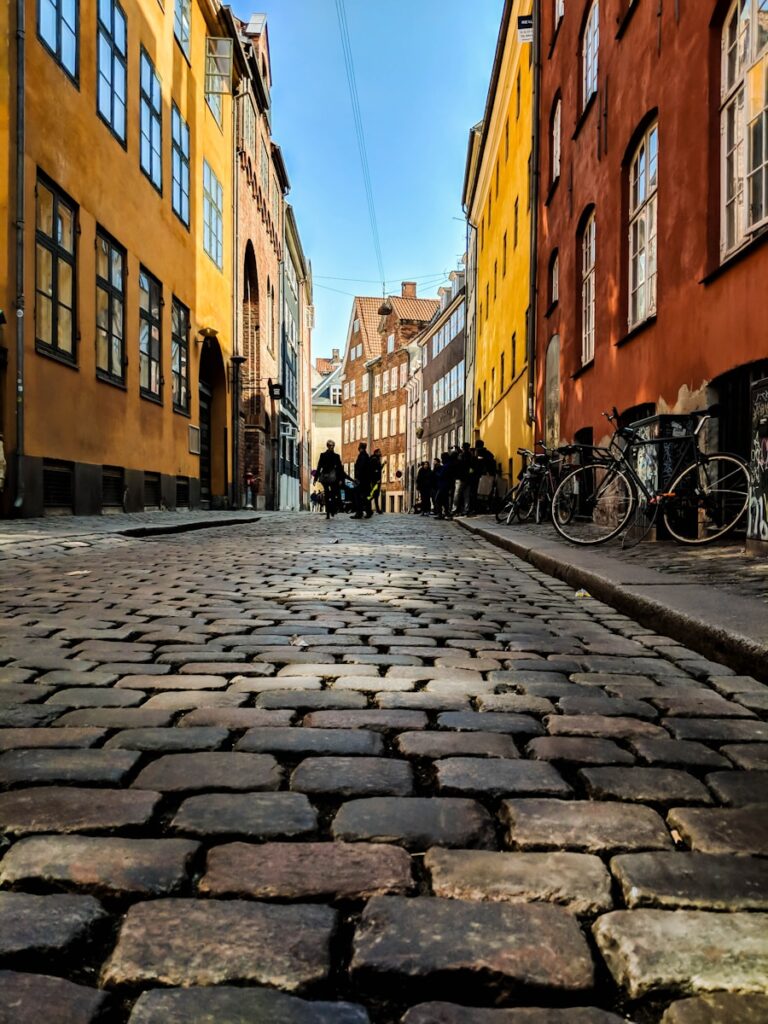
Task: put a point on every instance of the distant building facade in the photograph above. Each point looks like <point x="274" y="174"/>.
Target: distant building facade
<point x="443" y="372"/>
<point x="326" y="405"/>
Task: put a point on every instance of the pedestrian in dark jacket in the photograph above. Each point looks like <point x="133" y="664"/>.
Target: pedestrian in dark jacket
<point x="464" y="475"/>
<point x="330" y="474"/>
<point x="363" y="477"/>
<point x="376" y="473"/>
<point x="424" y="485"/>
<point x="445" y="480"/>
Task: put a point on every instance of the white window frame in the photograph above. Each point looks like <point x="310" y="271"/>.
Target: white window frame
<point x="391" y="343"/>
<point x="642" y="239"/>
<point x="588" y="280"/>
<point x="336" y="394"/>
<point x="590" y="50"/>
<point x="393" y="421"/>
<point x="182" y="22"/>
<point x="364" y="384"/>
<point x="376" y="385"/>
<point x="376" y="426"/>
<point x="385" y="382"/>
<point x="403" y="374"/>
<point x="557" y="121"/>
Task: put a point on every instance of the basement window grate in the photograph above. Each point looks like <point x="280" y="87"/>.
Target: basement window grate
<point x="151" y="490"/>
<point x="182" y="492"/>
<point x="112" y="486"/>
<point x="58" y="486"/>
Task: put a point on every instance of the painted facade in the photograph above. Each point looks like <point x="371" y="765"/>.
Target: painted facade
<point x="443" y="347"/>
<point x="499" y="208"/>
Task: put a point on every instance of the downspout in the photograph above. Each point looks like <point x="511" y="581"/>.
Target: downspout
<point x="535" y="181"/>
<point x="20" y="148"/>
<point x="236" y="326"/>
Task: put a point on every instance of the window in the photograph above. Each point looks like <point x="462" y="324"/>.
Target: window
<point x="501" y="374"/>
<point x="403" y="374"/>
<point x="401" y="424"/>
<point x="504" y="255"/>
<point x="218" y="73"/>
<point x="487" y="299"/>
<point x="385" y="382"/>
<point x="335" y="394"/>
<point x="150" y="125"/>
<point x="55" y="271"/>
<point x="517" y="96"/>
<point x="181" y="24"/>
<point x="516" y="224"/>
<point x="514" y="354"/>
<point x="377" y="385"/>
<point x="275" y="205"/>
<point x="557" y="117"/>
<point x="346" y="431"/>
<point x="355" y="326"/>
<point x="364" y="427"/>
<point x="180" y="355"/>
<point x="352" y="388"/>
<point x="365" y="382"/>
<point x="110" y="308"/>
<point x="264" y="170"/>
<point x="643" y="202"/>
<point x="112" y="61"/>
<point x="58" y="29"/>
<point x="376" y="426"/>
<point x="559" y="11"/>
<point x="213" y="216"/>
<point x="391" y="343"/>
<point x="150" y="301"/>
<point x="393" y="422"/>
<point x="554" y="278"/>
<point x="179" y="165"/>
<point x="493" y="384"/>
<point x="506" y="140"/>
<point x="588" y="240"/>
<point x="497" y="179"/>
<point x="589" y="51"/>
<point x="757" y="134"/>
<point x="490" y="208"/>
<point x="495" y="278"/>
<point x="393" y="377"/>
<point x="346" y="390"/>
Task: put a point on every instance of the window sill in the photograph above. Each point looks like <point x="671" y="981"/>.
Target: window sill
<point x="58" y="357"/>
<point x="552" y="191"/>
<point x="583" y="369"/>
<point x="639" y="328"/>
<point x="551" y="309"/>
<point x="149" y="397"/>
<point x="105" y="378"/>
<point x="625" y="18"/>
<point x="584" y="116"/>
<point x="112" y="132"/>
<point x="736" y="257"/>
<point x="157" y="188"/>
<point x="182" y="412"/>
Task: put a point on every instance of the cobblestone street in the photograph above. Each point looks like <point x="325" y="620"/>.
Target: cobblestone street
<point x="299" y="772"/>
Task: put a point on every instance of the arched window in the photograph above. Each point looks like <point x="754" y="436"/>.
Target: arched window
<point x="555" y="139"/>
<point x="643" y="203"/>
<point x="590" y="45"/>
<point x="588" y="247"/>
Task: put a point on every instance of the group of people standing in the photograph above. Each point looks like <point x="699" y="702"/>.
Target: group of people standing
<point x="450" y="485"/>
<point x="366" y="484"/>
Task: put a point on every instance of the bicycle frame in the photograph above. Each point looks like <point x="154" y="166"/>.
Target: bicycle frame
<point x="689" y="455"/>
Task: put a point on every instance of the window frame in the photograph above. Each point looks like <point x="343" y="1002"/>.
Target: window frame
<point x="147" y="317"/>
<point x="185" y="7"/>
<point x="643" y="200"/>
<point x="588" y="276"/>
<point x="57" y="254"/>
<point x="590" y="55"/>
<point x="115" y="297"/>
<point x="116" y="56"/>
<point x="180" y="356"/>
<point x="556" y="142"/>
<point x="209" y="236"/>
<point x="56" y="51"/>
<point x="182" y="159"/>
<point x="146" y="101"/>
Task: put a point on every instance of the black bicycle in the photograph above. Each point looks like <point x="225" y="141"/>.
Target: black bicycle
<point x="706" y="498"/>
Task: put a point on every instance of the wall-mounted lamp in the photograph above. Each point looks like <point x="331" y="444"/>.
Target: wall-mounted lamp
<point x="207" y="334"/>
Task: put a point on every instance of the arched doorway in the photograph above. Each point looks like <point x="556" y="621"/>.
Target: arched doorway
<point x="552" y="393"/>
<point x="251" y="323"/>
<point x="213" y="426"/>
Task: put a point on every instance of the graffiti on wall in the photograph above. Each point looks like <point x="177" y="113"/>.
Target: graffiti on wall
<point x="757" y="528"/>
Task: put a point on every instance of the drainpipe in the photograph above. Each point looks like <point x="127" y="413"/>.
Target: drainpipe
<point x="237" y="358"/>
<point x="20" y="146"/>
<point x="535" y="183"/>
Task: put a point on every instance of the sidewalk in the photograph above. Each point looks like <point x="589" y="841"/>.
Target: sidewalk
<point x="713" y="600"/>
<point x="23" y="538"/>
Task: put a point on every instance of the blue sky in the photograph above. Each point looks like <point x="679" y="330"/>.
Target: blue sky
<point x="422" y="69"/>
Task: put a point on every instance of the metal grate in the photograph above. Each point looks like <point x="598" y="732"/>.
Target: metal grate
<point x="182" y="492"/>
<point x="58" y="485"/>
<point x="151" y="490"/>
<point x="112" y="487"/>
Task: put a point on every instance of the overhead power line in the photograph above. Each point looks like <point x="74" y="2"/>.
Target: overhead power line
<point x="349" y="66"/>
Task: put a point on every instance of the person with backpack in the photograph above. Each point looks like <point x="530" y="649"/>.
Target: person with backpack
<point x="330" y="474"/>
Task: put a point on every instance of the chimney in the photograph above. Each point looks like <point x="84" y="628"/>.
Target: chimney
<point x="335" y="356"/>
<point x="409" y="290"/>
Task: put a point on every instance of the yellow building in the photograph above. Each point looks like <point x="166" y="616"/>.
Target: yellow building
<point x="127" y="254"/>
<point x="499" y="208"/>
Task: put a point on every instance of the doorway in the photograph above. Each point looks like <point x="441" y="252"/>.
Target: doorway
<point x="205" y="445"/>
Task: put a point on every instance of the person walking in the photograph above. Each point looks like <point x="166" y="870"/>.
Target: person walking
<point x="330" y="474"/>
<point x="363" y="479"/>
<point x="376" y="474"/>
<point x="424" y="485"/>
<point x="485" y="469"/>
<point x="464" y="476"/>
<point x="444" y="491"/>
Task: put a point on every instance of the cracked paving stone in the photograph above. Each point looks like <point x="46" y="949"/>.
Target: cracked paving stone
<point x="224" y="1005"/>
<point x="312" y="741"/>
<point x="692" y="881"/>
<point x="188" y="772"/>
<point x="740" y="830"/>
<point x="447" y="744"/>
<point x="65" y="809"/>
<point x="684" y="951"/>
<point x="205" y="942"/>
<point x="235" y="718"/>
<point x="34" y="998"/>
<point x="353" y="776"/>
<point x="739" y="788"/>
<point x="578" y="749"/>
<point x="584" y="826"/>
<point x="144" y="867"/>
<point x="325" y="700"/>
<point x="78" y="766"/>
<point x="381" y="721"/>
<point x="748" y="755"/>
<point x="465" y="775"/>
<point x="603" y="726"/>
<point x="253" y="815"/>
<point x="45" y="924"/>
<point x="718" y="1008"/>
<point x="677" y="752"/>
<point x="415" y="822"/>
<point x="449" y="1013"/>
<point x="334" y="871"/>
<point x="172" y="739"/>
<point x="486" y="944"/>
<point x="21" y="739"/>
<point x="576" y="880"/>
<point x="652" y="785"/>
<point x="489" y="721"/>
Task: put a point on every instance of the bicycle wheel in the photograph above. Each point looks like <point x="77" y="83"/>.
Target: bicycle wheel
<point x="707" y="499"/>
<point x="525" y="501"/>
<point x="506" y="505"/>
<point x="641" y="522"/>
<point x="592" y="504"/>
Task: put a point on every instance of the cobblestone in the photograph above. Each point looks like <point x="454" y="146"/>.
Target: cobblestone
<point x="439" y="667"/>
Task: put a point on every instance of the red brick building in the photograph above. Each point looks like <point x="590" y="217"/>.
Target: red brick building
<point x="653" y="221"/>
<point x="374" y="378"/>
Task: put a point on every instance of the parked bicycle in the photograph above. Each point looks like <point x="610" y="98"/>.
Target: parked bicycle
<point x="706" y="497"/>
<point x="531" y="497"/>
